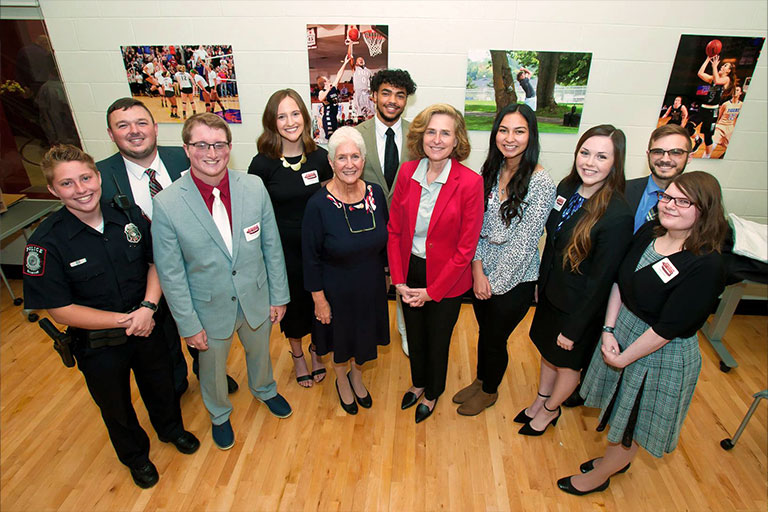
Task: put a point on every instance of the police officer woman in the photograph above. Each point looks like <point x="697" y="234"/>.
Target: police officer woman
<point x="90" y="265"/>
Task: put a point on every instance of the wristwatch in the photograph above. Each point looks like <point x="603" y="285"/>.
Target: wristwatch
<point x="148" y="304"/>
<point x="608" y="329"/>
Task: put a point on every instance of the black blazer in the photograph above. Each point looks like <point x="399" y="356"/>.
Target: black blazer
<point x="633" y="192"/>
<point x="174" y="159"/>
<point x="583" y="296"/>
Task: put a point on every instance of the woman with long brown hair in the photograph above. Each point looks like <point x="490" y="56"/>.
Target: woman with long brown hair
<point x="293" y="168"/>
<point x="588" y="231"/>
<point x="644" y="374"/>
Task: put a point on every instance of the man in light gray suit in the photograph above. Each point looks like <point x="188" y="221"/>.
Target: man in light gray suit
<point x="386" y="138"/>
<point x="221" y="268"/>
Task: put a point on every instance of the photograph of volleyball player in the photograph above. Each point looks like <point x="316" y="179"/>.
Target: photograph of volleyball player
<point x="707" y="87"/>
<point x="177" y="81"/>
<point x="342" y="60"/>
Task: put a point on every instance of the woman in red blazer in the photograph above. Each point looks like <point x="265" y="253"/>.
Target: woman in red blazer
<point x="434" y="226"/>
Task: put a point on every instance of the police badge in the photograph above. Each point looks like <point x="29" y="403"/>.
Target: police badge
<point x="132" y="233"/>
<point x="34" y="261"/>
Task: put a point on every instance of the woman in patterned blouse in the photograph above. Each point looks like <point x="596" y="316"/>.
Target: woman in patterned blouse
<point x="519" y="194"/>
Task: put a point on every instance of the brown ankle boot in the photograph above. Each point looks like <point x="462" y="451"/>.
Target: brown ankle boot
<point x="477" y="403"/>
<point x="468" y="392"/>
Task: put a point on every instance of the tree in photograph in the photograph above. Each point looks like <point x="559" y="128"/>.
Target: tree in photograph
<point x="503" y="81"/>
<point x="549" y="63"/>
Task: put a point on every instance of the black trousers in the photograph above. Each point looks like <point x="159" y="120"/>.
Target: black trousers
<point x="496" y="318"/>
<point x="170" y="333"/>
<point x="429" y="333"/>
<point x="107" y="372"/>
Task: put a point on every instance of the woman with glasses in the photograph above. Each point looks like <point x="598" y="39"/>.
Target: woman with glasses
<point x="644" y="372"/>
<point x="344" y="239"/>
<point x="588" y="230"/>
<point x="437" y="213"/>
<point x="293" y="167"/>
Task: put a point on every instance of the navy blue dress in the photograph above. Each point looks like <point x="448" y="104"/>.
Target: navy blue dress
<point x="345" y="256"/>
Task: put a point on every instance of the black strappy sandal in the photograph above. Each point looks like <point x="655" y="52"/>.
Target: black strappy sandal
<point x="303" y="378"/>
<point x="320" y="371"/>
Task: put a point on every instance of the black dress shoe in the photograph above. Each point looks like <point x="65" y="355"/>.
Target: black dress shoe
<point x="231" y="385"/>
<point x="185" y="443"/>
<point x="528" y="430"/>
<point x="423" y="412"/>
<point x="590" y="465"/>
<point x="565" y="485"/>
<point x="145" y="476"/>
<point x="350" y="408"/>
<point x="410" y="399"/>
<point x="522" y="417"/>
<point x="575" y="399"/>
<point x="366" y="401"/>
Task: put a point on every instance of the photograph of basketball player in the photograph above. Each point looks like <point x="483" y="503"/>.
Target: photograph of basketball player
<point x="712" y="73"/>
<point x="161" y="76"/>
<point x="342" y="60"/>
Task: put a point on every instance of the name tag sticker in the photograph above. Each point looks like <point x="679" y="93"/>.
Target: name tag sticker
<point x="665" y="270"/>
<point x="252" y="232"/>
<point x="559" y="202"/>
<point x="310" y="178"/>
<point x="77" y="262"/>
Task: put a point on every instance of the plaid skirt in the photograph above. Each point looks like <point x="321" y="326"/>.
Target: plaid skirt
<point x="648" y="400"/>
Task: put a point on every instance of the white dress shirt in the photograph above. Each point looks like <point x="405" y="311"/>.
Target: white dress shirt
<point x="140" y="182"/>
<point x="381" y="139"/>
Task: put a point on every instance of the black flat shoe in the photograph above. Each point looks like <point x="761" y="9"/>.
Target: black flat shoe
<point x="575" y="399"/>
<point x="590" y="465"/>
<point x="565" y="485"/>
<point x="522" y="417"/>
<point x="350" y="408"/>
<point x="186" y="443"/>
<point x="410" y="399"/>
<point x="423" y="412"/>
<point x="366" y="401"/>
<point x="145" y="476"/>
<point x="528" y="430"/>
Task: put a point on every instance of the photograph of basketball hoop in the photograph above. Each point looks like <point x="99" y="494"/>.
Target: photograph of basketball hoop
<point x="553" y="84"/>
<point x="177" y="81"/>
<point x="707" y="89"/>
<point x="342" y="60"/>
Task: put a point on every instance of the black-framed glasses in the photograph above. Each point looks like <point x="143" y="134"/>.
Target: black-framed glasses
<point x="680" y="202"/>
<point x="204" y="146"/>
<point x="675" y="152"/>
<point x="355" y="231"/>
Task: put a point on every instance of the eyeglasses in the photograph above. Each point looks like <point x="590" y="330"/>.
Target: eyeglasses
<point x="676" y="152"/>
<point x="355" y="231"/>
<point x="204" y="146"/>
<point x="680" y="202"/>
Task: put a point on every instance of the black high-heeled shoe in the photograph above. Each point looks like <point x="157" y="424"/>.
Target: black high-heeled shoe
<point x="423" y="412"/>
<point x="348" y="408"/>
<point x="365" y="401"/>
<point x="524" y="418"/>
<point x="590" y="465"/>
<point x="564" y="484"/>
<point x="528" y="430"/>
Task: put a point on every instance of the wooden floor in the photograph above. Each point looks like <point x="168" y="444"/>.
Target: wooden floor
<point x="55" y="453"/>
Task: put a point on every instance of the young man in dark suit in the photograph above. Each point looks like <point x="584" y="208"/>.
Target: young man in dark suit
<point x="140" y="169"/>
<point x="385" y="135"/>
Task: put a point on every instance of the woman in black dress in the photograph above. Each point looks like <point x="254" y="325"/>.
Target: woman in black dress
<point x="344" y="237"/>
<point x="588" y="231"/>
<point x="293" y="168"/>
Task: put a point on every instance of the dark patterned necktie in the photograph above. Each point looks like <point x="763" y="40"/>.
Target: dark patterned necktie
<point x="391" y="158"/>
<point x="652" y="213"/>
<point x="154" y="185"/>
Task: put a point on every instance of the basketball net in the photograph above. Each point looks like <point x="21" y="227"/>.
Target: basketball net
<point x="374" y="40"/>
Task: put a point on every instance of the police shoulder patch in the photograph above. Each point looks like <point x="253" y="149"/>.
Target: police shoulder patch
<point x="34" y="260"/>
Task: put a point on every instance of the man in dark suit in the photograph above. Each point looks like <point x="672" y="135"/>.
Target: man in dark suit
<point x="139" y="170"/>
<point x="385" y="136"/>
<point x="669" y="151"/>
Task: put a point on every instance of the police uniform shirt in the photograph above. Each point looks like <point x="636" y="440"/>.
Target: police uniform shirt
<point x="68" y="262"/>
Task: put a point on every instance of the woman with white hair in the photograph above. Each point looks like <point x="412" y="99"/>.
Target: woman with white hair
<point x="344" y="241"/>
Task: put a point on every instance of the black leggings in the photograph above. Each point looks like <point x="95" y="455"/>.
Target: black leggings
<point x="496" y="318"/>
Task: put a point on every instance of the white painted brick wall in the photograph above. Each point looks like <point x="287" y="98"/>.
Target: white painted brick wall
<point x="633" y="45"/>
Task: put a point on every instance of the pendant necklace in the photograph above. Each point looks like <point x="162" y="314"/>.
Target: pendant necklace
<point x="297" y="165"/>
